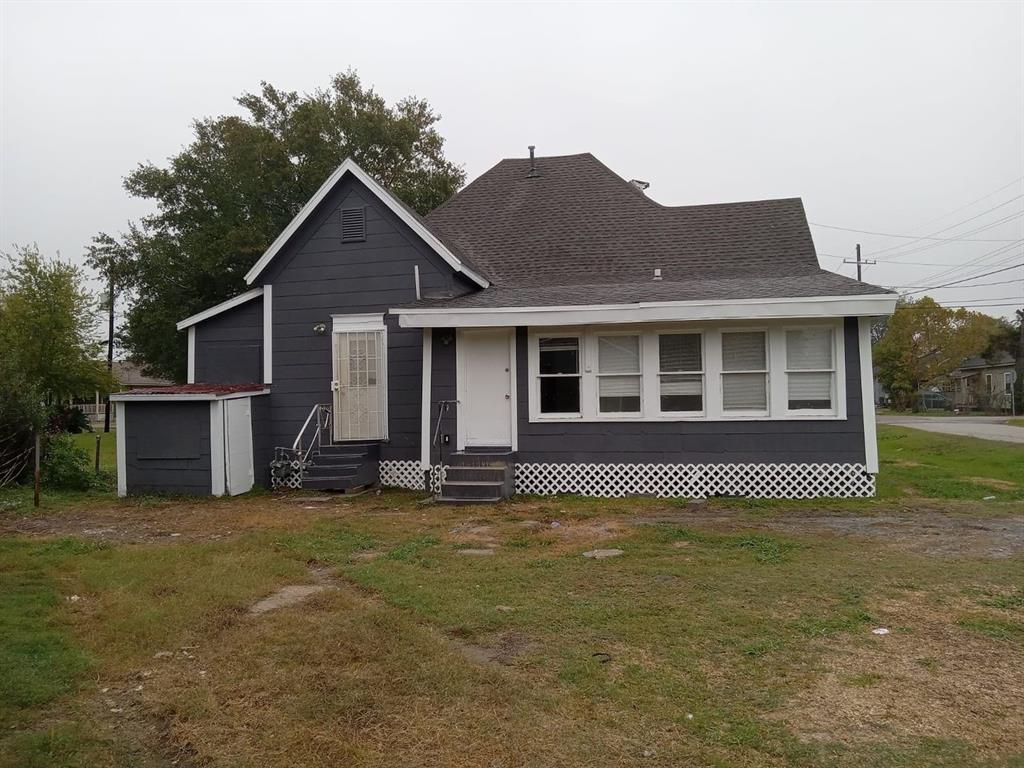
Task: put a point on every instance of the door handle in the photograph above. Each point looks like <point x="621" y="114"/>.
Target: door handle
<point x="508" y="397"/>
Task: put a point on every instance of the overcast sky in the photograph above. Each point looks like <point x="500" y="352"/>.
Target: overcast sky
<point x="882" y="117"/>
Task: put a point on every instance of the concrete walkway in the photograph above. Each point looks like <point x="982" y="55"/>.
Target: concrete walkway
<point x="984" y="427"/>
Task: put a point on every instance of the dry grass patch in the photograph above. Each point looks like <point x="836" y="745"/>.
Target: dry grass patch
<point x="929" y="678"/>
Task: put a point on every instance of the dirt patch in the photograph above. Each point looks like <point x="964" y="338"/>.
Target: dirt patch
<point x="991" y="482"/>
<point x="928" y="678"/>
<point x="503" y="649"/>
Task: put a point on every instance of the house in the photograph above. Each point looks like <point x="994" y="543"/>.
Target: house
<point x="129" y="376"/>
<point x="984" y="384"/>
<point x="549" y="329"/>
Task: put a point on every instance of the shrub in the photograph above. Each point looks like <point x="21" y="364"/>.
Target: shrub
<point x="69" y="419"/>
<point x="64" y="465"/>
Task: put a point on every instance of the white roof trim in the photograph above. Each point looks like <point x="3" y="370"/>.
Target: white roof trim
<point x="641" y="312"/>
<point x="128" y="397"/>
<point x="224" y="306"/>
<point x="350" y="166"/>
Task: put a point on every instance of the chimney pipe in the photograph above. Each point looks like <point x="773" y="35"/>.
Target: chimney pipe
<point x="533" y="174"/>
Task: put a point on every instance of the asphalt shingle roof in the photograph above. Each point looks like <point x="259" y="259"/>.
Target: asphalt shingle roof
<point x="580" y="234"/>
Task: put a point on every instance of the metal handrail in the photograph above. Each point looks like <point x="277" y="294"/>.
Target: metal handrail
<point x="322" y="415"/>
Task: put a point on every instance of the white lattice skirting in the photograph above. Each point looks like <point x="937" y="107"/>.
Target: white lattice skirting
<point x="697" y="481"/>
<point x="408" y="474"/>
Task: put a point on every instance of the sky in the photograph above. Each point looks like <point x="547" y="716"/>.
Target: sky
<point x="890" y="120"/>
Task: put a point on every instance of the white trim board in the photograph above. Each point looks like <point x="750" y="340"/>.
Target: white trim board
<point x="350" y="166"/>
<point x="216" y="309"/>
<point x="867" y="392"/>
<point x="268" y="334"/>
<point x="190" y="377"/>
<point x="425" y="402"/>
<point x="122" y="453"/>
<point x="736" y="309"/>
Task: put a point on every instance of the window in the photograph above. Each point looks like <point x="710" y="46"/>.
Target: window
<point x="988" y="383"/>
<point x="559" y="374"/>
<point x="745" y="371"/>
<point x="618" y="374"/>
<point x="680" y="373"/>
<point x="809" y="369"/>
<point x="1008" y="382"/>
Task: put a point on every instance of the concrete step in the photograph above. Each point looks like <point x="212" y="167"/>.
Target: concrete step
<point x="490" y="474"/>
<point x="331" y="483"/>
<point x="480" y="459"/>
<point x="472" y="489"/>
<point x="457" y="502"/>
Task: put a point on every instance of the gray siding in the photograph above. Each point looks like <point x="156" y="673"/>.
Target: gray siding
<point x="442" y="387"/>
<point x="167" y="447"/>
<point x="717" y="442"/>
<point x="316" y="276"/>
<point x="229" y="346"/>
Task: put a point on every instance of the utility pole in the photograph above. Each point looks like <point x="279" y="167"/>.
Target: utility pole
<point x="859" y="262"/>
<point x="110" y="352"/>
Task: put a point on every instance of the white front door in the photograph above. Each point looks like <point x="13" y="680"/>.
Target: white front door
<point x="485" y="387"/>
<point x="238" y="445"/>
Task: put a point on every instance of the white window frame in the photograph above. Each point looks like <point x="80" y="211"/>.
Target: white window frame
<point x="598" y="334"/>
<point x="767" y="371"/>
<point x="711" y="352"/>
<point x="536" y="375"/>
<point x="834" y="391"/>
<point x="1007" y="382"/>
<point x="699" y="333"/>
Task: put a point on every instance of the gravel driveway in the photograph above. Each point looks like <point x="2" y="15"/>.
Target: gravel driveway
<point x="984" y="427"/>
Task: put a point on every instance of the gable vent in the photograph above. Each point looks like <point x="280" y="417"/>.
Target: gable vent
<point x="353" y="225"/>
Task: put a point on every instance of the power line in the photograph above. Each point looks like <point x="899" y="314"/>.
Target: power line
<point x="962" y="237"/>
<point x="910" y="237"/>
<point x="957" y="224"/>
<point x="975" y="285"/>
<point x="964" y="280"/>
<point x="895" y="263"/>
<point x="953" y="269"/>
<point x="968" y="205"/>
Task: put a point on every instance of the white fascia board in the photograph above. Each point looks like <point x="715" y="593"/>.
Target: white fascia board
<point x="641" y="312"/>
<point x="224" y="306"/>
<point x="350" y="166"/>
<point x="191" y="377"/>
<point x="128" y="397"/>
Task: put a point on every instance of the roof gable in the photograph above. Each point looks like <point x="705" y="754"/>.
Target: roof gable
<point x="407" y="216"/>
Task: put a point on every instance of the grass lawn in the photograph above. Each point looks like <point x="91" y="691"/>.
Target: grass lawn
<point x="1016" y="422"/>
<point x="108" y="448"/>
<point x="728" y="633"/>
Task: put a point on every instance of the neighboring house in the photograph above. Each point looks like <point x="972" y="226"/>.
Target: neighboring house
<point x="550" y="329"/>
<point x="128" y="376"/>
<point x="984" y="384"/>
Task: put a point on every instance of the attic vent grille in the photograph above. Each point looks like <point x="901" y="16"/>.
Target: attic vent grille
<point x="353" y="225"/>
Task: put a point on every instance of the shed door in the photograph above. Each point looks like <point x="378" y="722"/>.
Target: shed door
<point x="238" y="445"/>
<point x="360" y="385"/>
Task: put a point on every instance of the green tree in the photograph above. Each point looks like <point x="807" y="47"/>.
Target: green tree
<point x="48" y="327"/>
<point x="924" y="341"/>
<point x="228" y="194"/>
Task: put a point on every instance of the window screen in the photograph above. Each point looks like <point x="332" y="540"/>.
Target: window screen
<point x="809" y="368"/>
<point x="681" y="379"/>
<point x="559" y="369"/>
<point x="618" y="370"/>
<point x="744" y="371"/>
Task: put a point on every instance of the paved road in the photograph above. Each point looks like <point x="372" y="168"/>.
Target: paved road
<point x="985" y="427"/>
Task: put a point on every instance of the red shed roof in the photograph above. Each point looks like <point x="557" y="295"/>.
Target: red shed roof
<point x="191" y="392"/>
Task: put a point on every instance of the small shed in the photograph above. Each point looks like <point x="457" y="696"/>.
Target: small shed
<point x="190" y="439"/>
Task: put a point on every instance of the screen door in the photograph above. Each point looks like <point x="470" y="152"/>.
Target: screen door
<point x="360" y="385"/>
